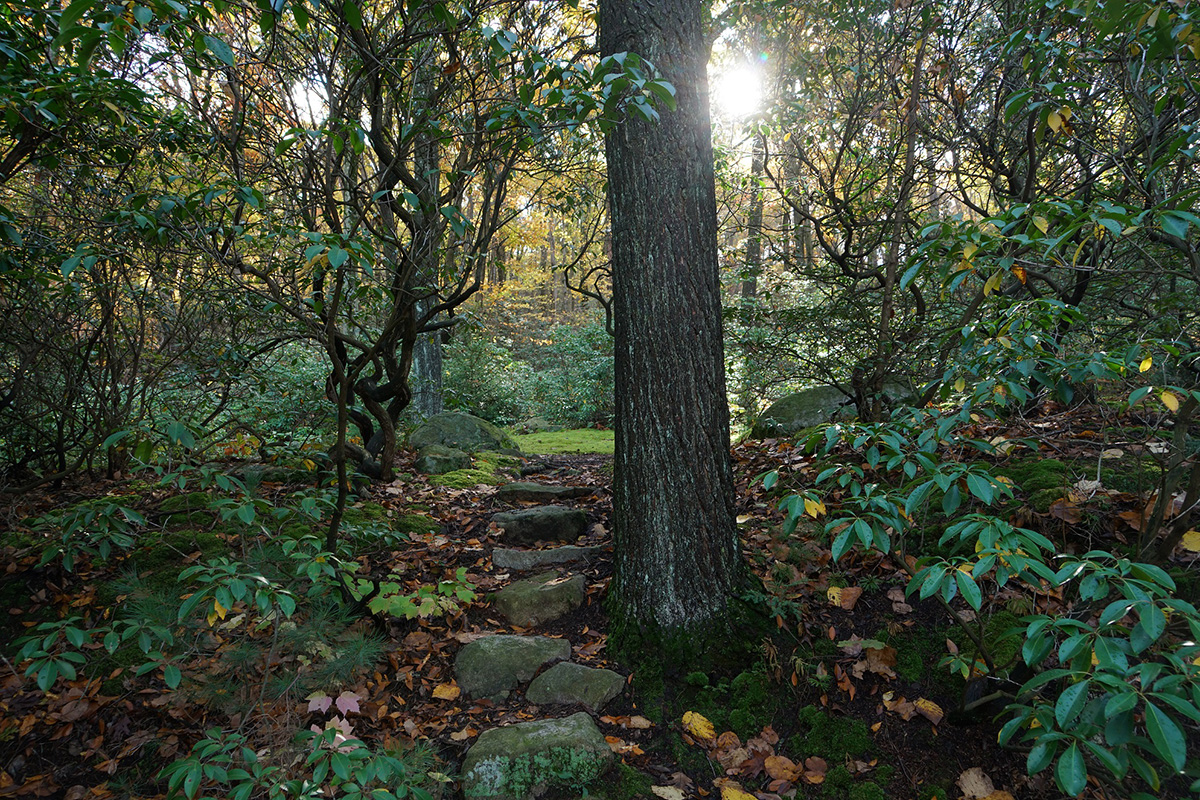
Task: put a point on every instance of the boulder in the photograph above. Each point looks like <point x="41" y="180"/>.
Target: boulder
<point x="522" y="560"/>
<point x="528" y="491"/>
<point x="524" y="760"/>
<point x="462" y="432"/>
<point x="493" y="666"/>
<point x="437" y="459"/>
<point x="543" y="598"/>
<point x="574" y="683"/>
<point x="789" y="415"/>
<point x="541" y="523"/>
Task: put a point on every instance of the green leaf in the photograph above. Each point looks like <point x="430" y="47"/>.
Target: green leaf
<point x="970" y="590"/>
<point x="353" y="14"/>
<point x="1071" y="772"/>
<point x="172" y="675"/>
<point x="1167" y="736"/>
<point x="220" y="49"/>
<point x="1070" y="703"/>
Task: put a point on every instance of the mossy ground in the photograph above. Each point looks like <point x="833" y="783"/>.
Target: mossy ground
<point x="580" y="440"/>
<point x="489" y="468"/>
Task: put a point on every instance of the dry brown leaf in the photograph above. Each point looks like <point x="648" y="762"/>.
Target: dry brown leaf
<point x="446" y="691"/>
<point x="844" y="597"/>
<point x="639" y="723"/>
<point x="464" y="734"/>
<point x="999" y="794"/>
<point x="728" y="740"/>
<point x="782" y="768"/>
<point x="732" y="760"/>
<point x="975" y="784"/>
<point x="900" y="706"/>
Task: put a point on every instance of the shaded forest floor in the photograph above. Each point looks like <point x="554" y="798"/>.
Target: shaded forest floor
<point x="846" y="698"/>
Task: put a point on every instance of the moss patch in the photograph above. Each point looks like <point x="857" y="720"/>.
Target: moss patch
<point x="160" y="563"/>
<point x="467" y="479"/>
<point x="1037" y="474"/>
<point x="580" y="440"/>
<point x="626" y="783"/>
<point x="830" y="737"/>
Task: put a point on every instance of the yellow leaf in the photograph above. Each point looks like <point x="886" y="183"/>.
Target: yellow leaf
<point x="1054" y="121"/>
<point x="960" y="384"/>
<point x="1042" y="224"/>
<point x="1191" y="541"/>
<point x="1170" y="400"/>
<point x="219" y="611"/>
<point x="814" y="508"/>
<point x="731" y="792"/>
<point x="993" y="283"/>
<point x="309" y="464"/>
<point x="1021" y="274"/>
<point x="446" y="691"/>
<point x="969" y="250"/>
<point x="698" y="726"/>
<point x="744" y="518"/>
<point x="1146" y="364"/>
<point x="930" y="710"/>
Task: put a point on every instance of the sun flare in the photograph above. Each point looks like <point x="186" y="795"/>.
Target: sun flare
<point x="737" y="92"/>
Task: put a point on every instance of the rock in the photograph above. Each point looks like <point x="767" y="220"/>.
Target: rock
<point x="438" y="459"/>
<point x="575" y="683"/>
<point x="795" y="412"/>
<point x="542" y="523"/>
<point x="540" y="599"/>
<point x="524" y="760"/>
<point x="522" y="560"/>
<point x="527" y="491"/>
<point x="462" y="432"/>
<point x="493" y="666"/>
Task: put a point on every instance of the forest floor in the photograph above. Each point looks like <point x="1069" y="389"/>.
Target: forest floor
<point x="847" y="698"/>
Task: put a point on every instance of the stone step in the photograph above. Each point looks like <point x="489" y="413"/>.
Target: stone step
<point x="568" y="684"/>
<point x="540" y="599"/>
<point x="528" y="491"/>
<point x="541" y="523"/>
<point x="525" y="760"/>
<point x="493" y="666"/>
<point x="521" y="560"/>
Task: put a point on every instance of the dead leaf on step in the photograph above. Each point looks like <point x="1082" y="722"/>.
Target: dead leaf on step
<point x="975" y="784"/>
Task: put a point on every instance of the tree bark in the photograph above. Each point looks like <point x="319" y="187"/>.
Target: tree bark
<point x="677" y="555"/>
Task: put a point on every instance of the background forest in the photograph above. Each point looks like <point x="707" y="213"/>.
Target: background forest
<point x="246" y="248"/>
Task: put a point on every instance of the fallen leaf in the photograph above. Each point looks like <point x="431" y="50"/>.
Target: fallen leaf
<point x="464" y="734"/>
<point x="668" y="792"/>
<point x="728" y="740"/>
<point x="975" y="784"/>
<point x="639" y="723"/>
<point x="731" y="791"/>
<point x="845" y="597"/>
<point x="782" y="768"/>
<point x="698" y="726"/>
<point x="815" y="769"/>
<point x="347" y="703"/>
<point x="446" y="691"/>
<point x="319" y="701"/>
<point x="1191" y="541"/>
<point x="900" y="706"/>
<point x="930" y="710"/>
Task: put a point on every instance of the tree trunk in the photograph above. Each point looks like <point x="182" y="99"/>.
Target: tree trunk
<point x="677" y="555"/>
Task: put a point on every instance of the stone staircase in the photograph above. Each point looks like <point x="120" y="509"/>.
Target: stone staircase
<point x="519" y="761"/>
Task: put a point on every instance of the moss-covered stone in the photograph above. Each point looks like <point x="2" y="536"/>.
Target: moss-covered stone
<point x="192" y="501"/>
<point x="523" y="760"/>
<point x="416" y="523"/>
<point x="1042" y="499"/>
<point x="467" y="479"/>
<point x="462" y="432"/>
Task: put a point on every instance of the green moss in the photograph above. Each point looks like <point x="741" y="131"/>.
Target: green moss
<point x="1133" y="475"/>
<point x="160" y="563"/>
<point x="867" y="791"/>
<point x="832" y="738"/>
<point x="558" y="767"/>
<point x="193" y="501"/>
<point x="366" y="514"/>
<point x="467" y="479"/>
<point x="1042" y="499"/>
<point x="626" y="783"/>
<point x="837" y="783"/>
<point x="934" y="792"/>
<point x="582" y="440"/>
<point x="416" y="523"/>
<point x="1034" y="475"/>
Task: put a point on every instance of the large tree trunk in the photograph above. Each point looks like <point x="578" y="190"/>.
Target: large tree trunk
<point x="677" y="554"/>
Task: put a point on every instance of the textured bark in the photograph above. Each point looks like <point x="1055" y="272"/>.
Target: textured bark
<point x="677" y="555"/>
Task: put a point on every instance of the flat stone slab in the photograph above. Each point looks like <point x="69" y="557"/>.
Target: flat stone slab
<point x="528" y="491"/>
<point x="524" y="760"/>
<point x="493" y="666"/>
<point x="574" y="683"/>
<point x="521" y="560"/>
<point x="541" y="524"/>
<point x="540" y="599"/>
